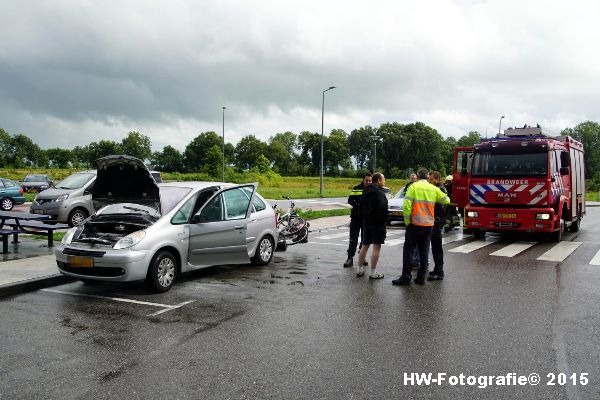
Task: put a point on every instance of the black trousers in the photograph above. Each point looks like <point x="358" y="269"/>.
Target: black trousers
<point x="417" y="238"/>
<point x="436" y="250"/>
<point x="355" y="230"/>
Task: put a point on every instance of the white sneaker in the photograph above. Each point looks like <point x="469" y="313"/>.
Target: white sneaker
<point x="360" y="272"/>
<point x="376" y="275"/>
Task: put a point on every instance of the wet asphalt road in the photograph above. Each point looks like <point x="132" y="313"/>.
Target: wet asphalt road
<point x="304" y="327"/>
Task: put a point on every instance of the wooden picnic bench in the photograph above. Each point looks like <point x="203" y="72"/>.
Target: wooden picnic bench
<point x="14" y="223"/>
<point x="5" y="234"/>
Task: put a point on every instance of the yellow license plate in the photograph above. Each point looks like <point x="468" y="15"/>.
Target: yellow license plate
<point x="81" y="262"/>
<point x="396" y="213"/>
<point x="507" y="215"/>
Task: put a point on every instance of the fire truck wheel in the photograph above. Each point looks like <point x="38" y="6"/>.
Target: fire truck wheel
<point x="478" y="233"/>
<point x="575" y="224"/>
<point x="557" y="236"/>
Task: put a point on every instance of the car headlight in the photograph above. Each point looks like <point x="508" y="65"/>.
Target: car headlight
<point x="472" y="214"/>
<point x="542" y="216"/>
<point x="130" y="240"/>
<point x="71" y="234"/>
<point x="62" y="197"/>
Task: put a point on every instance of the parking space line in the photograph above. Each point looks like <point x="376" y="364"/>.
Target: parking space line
<point x="167" y="307"/>
<point x="170" y="308"/>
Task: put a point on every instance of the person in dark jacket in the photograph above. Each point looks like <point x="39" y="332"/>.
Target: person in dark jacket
<point x="437" y="230"/>
<point x="374" y="212"/>
<point x="412" y="179"/>
<point x="355" y="218"/>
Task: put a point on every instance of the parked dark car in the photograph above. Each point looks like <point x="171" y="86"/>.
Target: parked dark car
<point x="11" y="193"/>
<point x="36" y="183"/>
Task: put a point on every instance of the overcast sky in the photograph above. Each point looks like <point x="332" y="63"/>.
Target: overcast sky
<point x="73" y="72"/>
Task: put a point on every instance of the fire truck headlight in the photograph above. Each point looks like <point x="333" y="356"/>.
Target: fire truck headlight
<point x="542" y="216"/>
<point x="472" y="214"/>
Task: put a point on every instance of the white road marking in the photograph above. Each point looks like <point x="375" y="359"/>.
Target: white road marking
<point x="513" y="249"/>
<point x="472" y="246"/>
<point x="167" y="307"/>
<point x="452" y="238"/>
<point x="337" y="235"/>
<point x="596" y="259"/>
<point x="394" y="242"/>
<point x="332" y="244"/>
<point x="559" y="252"/>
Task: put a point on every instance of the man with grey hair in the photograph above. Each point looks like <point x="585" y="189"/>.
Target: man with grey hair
<point x="419" y="211"/>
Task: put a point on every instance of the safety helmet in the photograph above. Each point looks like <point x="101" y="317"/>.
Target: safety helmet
<point x="449" y="178"/>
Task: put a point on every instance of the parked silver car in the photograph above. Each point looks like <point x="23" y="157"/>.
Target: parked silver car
<point x="395" y="207"/>
<point x="144" y="230"/>
<point x="69" y="201"/>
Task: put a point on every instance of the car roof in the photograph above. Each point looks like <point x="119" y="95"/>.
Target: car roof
<point x="198" y="184"/>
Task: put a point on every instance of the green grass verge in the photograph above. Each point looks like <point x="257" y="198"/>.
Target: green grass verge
<point x="592" y="196"/>
<point x="56" y="235"/>
<point x="314" y="214"/>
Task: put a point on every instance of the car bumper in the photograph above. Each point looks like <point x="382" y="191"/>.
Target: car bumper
<point x="124" y="265"/>
<point x="18" y="199"/>
<point x="395" y="215"/>
<point x="57" y="210"/>
<point x="511" y="219"/>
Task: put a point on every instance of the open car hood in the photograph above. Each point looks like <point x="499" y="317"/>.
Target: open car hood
<point x="124" y="179"/>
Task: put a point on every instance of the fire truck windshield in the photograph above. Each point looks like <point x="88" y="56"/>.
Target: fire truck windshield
<point x="488" y="164"/>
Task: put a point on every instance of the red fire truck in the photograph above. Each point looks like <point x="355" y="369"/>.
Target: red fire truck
<point x="523" y="180"/>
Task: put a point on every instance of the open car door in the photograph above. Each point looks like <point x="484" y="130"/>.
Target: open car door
<point x="463" y="156"/>
<point x="218" y="229"/>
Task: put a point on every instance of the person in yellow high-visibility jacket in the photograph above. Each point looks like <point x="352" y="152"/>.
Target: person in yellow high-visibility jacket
<point x="419" y="211"/>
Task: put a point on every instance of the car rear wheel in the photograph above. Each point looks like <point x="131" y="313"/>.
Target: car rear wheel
<point x="162" y="271"/>
<point x="7" y="204"/>
<point x="264" y="251"/>
<point x="76" y="217"/>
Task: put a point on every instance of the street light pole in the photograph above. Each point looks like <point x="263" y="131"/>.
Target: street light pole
<point x="322" y="124"/>
<point x="500" y="125"/>
<point x="375" y="139"/>
<point x="223" y="144"/>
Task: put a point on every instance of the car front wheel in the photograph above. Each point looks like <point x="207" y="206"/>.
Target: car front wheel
<point x="7" y="204"/>
<point x="76" y="217"/>
<point x="264" y="251"/>
<point x="161" y="272"/>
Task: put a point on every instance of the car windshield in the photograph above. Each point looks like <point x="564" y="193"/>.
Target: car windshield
<point x="130" y="208"/>
<point x="170" y="196"/>
<point x="400" y="194"/>
<point x="34" y="178"/>
<point x="488" y="164"/>
<point x="74" y="181"/>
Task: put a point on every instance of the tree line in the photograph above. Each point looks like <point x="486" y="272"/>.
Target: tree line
<point x="396" y="148"/>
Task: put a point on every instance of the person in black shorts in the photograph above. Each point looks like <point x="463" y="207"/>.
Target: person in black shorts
<point x="374" y="212"/>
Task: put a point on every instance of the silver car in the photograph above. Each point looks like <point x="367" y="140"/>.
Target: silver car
<point x="148" y="231"/>
<point x="396" y="207"/>
<point x="70" y="201"/>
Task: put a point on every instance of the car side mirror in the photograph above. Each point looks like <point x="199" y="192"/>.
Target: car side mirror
<point x="564" y="171"/>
